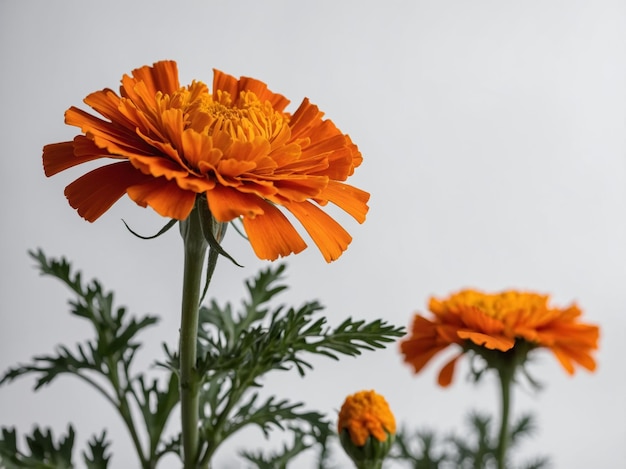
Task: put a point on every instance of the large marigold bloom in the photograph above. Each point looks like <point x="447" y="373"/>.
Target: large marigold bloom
<point x="235" y="145"/>
<point x="501" y="322"/>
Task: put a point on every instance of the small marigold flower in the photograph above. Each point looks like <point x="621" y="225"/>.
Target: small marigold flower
<point x="501" y="322"/>
<point x="235" y="145"/>
<point x="366" y="428"/>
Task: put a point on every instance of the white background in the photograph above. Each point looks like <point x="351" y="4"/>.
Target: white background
<point x="493" y="136"/>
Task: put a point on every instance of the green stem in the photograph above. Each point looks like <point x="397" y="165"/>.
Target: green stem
<point x="125" y="412"/>
<point x="195" y="247"/>
<point x="506" y="374"/>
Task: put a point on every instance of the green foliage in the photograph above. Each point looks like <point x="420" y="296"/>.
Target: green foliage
<point x="114" y="346"/>
<point x="419" y="449"/>
<point x="476" y="449"/>
<point x="237" y="350"/>
<point x="248" y="343"/>
<point x="302" y="441"/>
<point x="42" y="452"/>
<point x="97" y="457"/>
<point x="104" y="363"/>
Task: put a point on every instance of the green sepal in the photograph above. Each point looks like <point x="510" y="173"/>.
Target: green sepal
<point x="163" y="230"/>
<point x="213" y="230"/>
<point x="369" y="456"/>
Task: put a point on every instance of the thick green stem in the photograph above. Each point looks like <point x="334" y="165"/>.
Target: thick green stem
<point x="195" y="250"/>
<point x="506" y="374"/>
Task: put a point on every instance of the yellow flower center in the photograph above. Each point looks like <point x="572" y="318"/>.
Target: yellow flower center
<point x="498" y="305"/>
<point x="245" y="119"/>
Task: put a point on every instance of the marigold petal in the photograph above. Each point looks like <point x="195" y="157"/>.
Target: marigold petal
<point x="449" y="333"/>
<point x="447" y="372"/>
<point x="165" y="197"/>
<point x="298" y="188"/>
<point x="107" y="103"/>
<point x="568" y="355"/>
<point x="329" y="236"/>
<point x="227" y="204"/>
<point x="423" y="327"/>
<point x="115" y="139"/>
<point x="58" y="157"/>
<point x="230" y="84"/>
<point x="478" y="321"/>
<point x="198" y="148"/>
<point x="418" y="353"/>
<point x="272" y="235"/>
<point x="306" y="117"/>
<point x="488" y="341"/>
<point x="95" y="192"/>
<point x="564" y="359"/>
<point x="161" y="77"/>
<point x="348" y="198"/>
<point x="158" y="166"/>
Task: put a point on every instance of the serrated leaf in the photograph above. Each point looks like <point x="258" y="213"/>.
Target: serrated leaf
<point x="96" y="457"/>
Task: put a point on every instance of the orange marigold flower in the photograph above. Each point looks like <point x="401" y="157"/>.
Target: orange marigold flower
<point x="501" y="321"/>
<point x="366" y="414"/>
<point x="236" y="146"/>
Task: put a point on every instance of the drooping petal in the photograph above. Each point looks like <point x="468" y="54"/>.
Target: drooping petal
<point x="95" y="192"/>
<point x="418" y="353"/>
<point x="447" y="372"/>
<point x="272" y="235"/>
<point x="348" y="198"/>
<point x="329" y="236"/>
<point x="58" y="157"/>
<point x="568" y="355"/>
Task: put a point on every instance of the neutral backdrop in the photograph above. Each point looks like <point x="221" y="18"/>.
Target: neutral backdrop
<point x="493" y="136"/>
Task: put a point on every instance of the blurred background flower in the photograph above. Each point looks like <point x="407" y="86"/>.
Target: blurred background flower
<point x="510" y="321"/>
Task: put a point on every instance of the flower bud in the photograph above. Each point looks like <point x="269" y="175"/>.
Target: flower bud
<point x="366" y="429"/>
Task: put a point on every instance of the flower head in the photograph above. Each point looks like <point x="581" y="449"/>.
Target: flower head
<point x="366" y="426"/>
<point x="235" y="145"/>
<point x="500" y="322"/>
